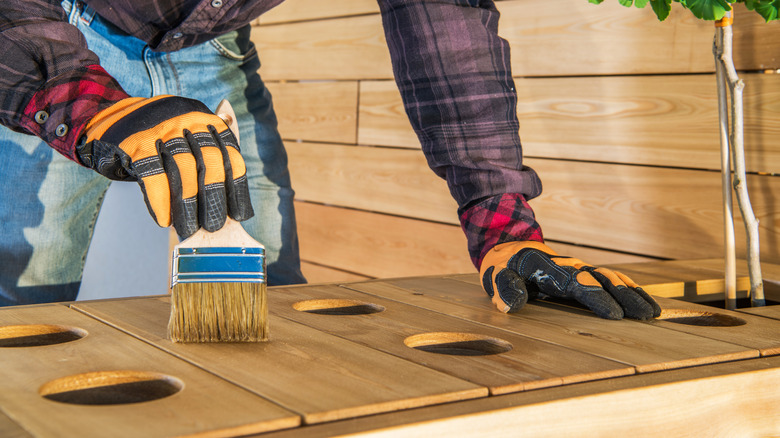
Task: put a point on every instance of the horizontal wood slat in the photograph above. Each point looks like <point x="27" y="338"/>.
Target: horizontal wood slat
<point x="392" y="181"/>
<point x="572" y="37"/>
<point x="341" y="48"/>
<point x="300" y="10"/>
<point x="378" y="245"/>
<point x="660" y="212"/>
<point x="654" y="120"/>
<point x="548" y="37"/>
<point x="323" y="274"/>
<point x="319" y="111"/>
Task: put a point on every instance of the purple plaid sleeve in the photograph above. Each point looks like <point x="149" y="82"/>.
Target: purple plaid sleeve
<point x="454" y="75"/>
<point x="503" y="218"/>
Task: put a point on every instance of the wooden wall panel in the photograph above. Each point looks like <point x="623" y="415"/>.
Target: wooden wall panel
<point x="385" y="246"/>
<point x="340" y="48"/>
<point x="660" y="212"/>
<point x="548" y="38"/>
<point x="320" y="111"/>
<point x="624" y="143"/>
<point x="652" y="120"/>
<point x="301" y="10"/>
<point x="378" y="245"/>
<point x="393" y="181"/>
<point x="571" y="37"/>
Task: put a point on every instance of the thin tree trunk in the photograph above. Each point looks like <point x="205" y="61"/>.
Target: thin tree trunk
<point x="733" y="154"/>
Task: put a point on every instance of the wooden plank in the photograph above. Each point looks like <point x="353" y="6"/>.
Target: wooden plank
<point x="315" y="273"/>
<point x="620" y="198"/>
<point x="9" y="429"/>
<point x="319" y="376"/>
<point x="653" y="120"/>
<point x="646" y="347"/>
<point x="376" y="179"/>
<point x="612" y="39"/>
<point x="689" y="402"/>
<point x="300" y="10"/>
<point x="204" y="405"/>
<point x="378" y="245"/>
<point x="766" y="311"/>
<point x="500" y="360"/>
<point x="339" y="48"/>
<point x="668" y="213"/>
<point x="371" y="245"/>
<point x="586" y="40"/>
<point x="318" y="111"/>
<point x="759" y="333"/>
<point x="693" y="280"/>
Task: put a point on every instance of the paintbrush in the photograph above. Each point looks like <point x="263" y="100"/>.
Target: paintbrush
<point x="218" y="285"/>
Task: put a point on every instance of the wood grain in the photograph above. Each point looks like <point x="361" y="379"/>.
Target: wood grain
<point x="688" y="402"/>
<point x="207" y="405"/>
<point x="378" y="245"/>
<point x="766" y="311"/>
<point x="376" y="179"/>
<point x="9" y="429"/>
<point x="644" y="346"/>
<point x="612" y="39"/>
<point x="587" y="40"/>
<point x="300" y="10"/>
<point x="319" y="111"/>
<point x="319" y="376"/>
<point x="759" y="333"/>
<point x="315" y="273"/>
<point x="652" y="120"/>
<point x="660" y="212"/>
<point x="339" y="48"/>
<point x="529" y="364"/>
<point x="695" y="280"/>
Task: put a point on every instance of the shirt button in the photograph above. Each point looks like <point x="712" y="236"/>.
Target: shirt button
<point x="61" y="130"/>
<point x="41" y="117"/>
<point x="178" y="35"/>
<point x="216" y="3"/>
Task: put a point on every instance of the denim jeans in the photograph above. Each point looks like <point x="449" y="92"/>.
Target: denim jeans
<point x="49" y="205"/>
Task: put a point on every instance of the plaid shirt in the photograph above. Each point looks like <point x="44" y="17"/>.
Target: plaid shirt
<point x="450" y="65"/>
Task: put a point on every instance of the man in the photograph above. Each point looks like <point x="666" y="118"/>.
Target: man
<point x="125" y="90"/>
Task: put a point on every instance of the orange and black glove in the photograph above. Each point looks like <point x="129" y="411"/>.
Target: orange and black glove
<point x="513" y="272"/>
<point x="184" y="157"/>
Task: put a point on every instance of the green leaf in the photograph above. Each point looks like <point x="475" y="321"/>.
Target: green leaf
<point x="640" y="3"/>
<point x="661" y="8"/>
<point x="766" y="8"/>
<point x="626" y="3"/>
<point x="595" y="2"/>
<point x="709" y="9"/>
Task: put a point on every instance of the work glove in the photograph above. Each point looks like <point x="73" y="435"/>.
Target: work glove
<point x="514" y="272"/>
<point x="184" y="157"/>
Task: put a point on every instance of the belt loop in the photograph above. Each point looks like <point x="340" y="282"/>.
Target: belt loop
<point x="87" y="14"/>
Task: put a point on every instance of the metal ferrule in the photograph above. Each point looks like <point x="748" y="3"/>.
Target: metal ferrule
<point x="218" y="265"/>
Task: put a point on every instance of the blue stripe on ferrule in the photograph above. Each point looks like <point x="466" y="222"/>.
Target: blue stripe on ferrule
<point x="218" y="265"/>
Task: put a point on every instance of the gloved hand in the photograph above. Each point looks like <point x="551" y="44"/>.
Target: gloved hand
<point x="513" y="272"/>
<point x="184" y="157"/>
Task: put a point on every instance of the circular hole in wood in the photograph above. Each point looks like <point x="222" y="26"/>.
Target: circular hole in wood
<point x="337" y="307"/>
<point x="111" y="388"/>
<point x="458" y="344"/>
<point x="37" y="335"/>
<point x="700" y="318"/>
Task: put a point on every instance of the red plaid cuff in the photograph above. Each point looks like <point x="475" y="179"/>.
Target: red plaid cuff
<point x="59" y="112"/>
<point x="499" y="219"/>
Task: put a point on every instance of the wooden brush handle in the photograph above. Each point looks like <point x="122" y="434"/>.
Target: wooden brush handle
<point x="230" y="235"/>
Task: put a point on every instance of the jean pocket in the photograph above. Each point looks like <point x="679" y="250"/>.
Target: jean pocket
<point x="235" y="45"/>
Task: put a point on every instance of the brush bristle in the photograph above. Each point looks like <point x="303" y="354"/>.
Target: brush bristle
<point x="218" y="312"/>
